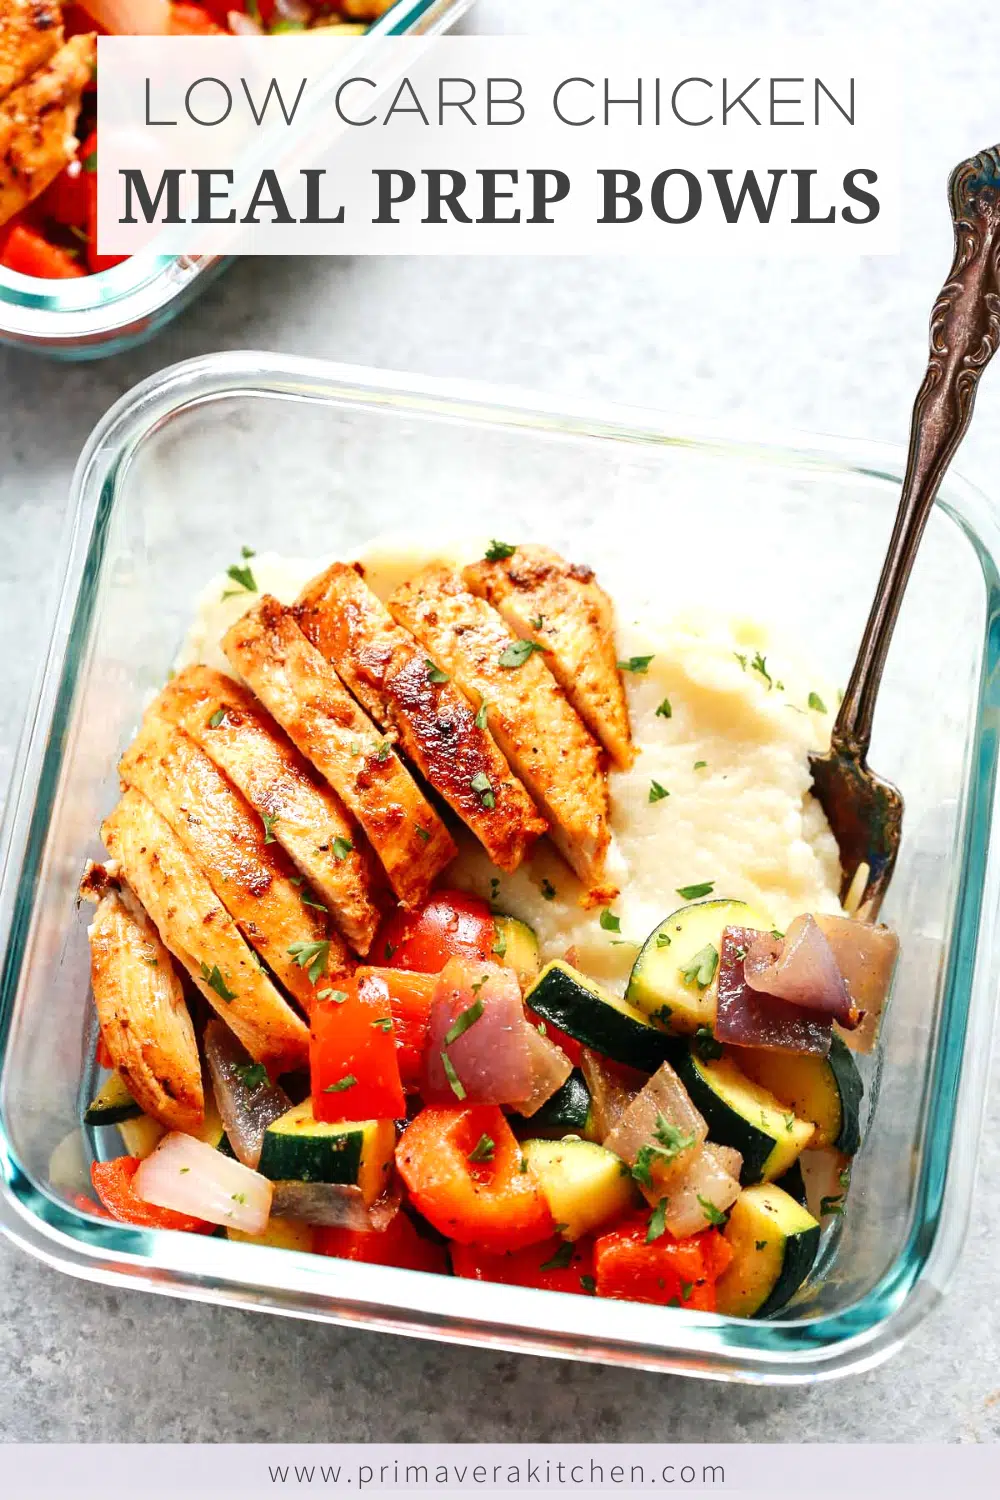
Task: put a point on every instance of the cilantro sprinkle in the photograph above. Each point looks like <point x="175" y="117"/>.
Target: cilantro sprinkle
<point x="816" y="703"/>
<point x="637" y="664"/>
<point x="217" y="718"/>
<point x="610" y="922"/>
<point x="664" y="711"/>
<point x="695" y="892"/>
<point x="562" y="1258"/>
<point x="657" y="792"/>
<point x="213" y="978"/>
<point x="434" y="673"/>
<point x="499" y="551"/>
<point x="342" y="848"/>
<point x="347" y="1082"/>
<point x="483" y="1149"/>
<point x="312" y="956"/>
<point x="518" y="652"/>
<point x="462" y="1022"/>
<point x="657" y="1222"/>
<point x="712" y="1214"/>
<point x="453" y="1078"/>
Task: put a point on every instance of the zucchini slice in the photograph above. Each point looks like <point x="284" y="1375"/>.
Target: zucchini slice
<point x="584" y="1184"/>
<point x="598" y="1019"/>
<point x="141" y="1136"/>
<point x="825" y="1090"/>
<point x="667" y="980"/>
<point x="516" y="947"/>
<point x="774" y="1242"/>
<point x="568" y="1112"/>
<point x="112" y="1103"/>
<point x="283" y="1234"/>
<point x="299" y="1148"/>
<point x="740" y="1113"/>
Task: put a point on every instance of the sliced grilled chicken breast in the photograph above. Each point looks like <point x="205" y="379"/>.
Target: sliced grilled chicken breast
<point x="390" y="675"/>
<point x="254" y="879"/>
<point x="529" y="716"/>
<point x="37" y="121"/>
<point x="141" y="1008"/>
<point x="31" y="31"/>
<point x="562" y="607"/>
<point x="302" y="814"/>
<point x="198" y="930"/>
<point x="309" y="701"/>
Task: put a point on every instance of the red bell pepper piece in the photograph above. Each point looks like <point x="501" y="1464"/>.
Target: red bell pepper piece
<point x="400" y="1244"/>
<point x="554" y="1265"/>
<point x="451" y="924"/>
<point x="572" y="1048"/>
<point x="410" y="997"/>
<point x="195" y="20"/>
<point x="28" y="252"/>
<point x="493" y="1201"/>
<point x="668" y="1272"/>
<point x="67" y="199"/>
<point x="95" y="261"/>
<point x="353" y="1060"/>
<point x="113" y="1184"/>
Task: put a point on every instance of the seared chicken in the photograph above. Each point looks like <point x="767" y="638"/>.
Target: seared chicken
<point x="389" y="674"/>
<point x="252" y="877"/>
<point x="200" y="932"/>
<point x="542" y="737"/>
<point x="141" y="1008"/>
<point x="304" y="816"/>
<point x="312" y="705"/>
<point x="37" y="121"/>
<point x="31" y="31"/>
<point x="562" y="607"/>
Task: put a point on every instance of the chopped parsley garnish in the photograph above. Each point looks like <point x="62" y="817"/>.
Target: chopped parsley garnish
<point x="665" y="711"/>
<point x="832" y="1205"/>
<point x="562" y="1258"/>
<point x="760" y="1244"/>
<point x="701" y="969"/>
<point x="669" y="1142"/>
<point x="639" y="664"/>
<point x="661" y="1014"/>
<point x="662" y="940"/>
<point x="383" y="752"/>
<point x="434" y="673"/>
<point x="759" y="664"/>
<point x="483" y="1149"/>
<point x="610" y="922"/>
<point x="483" y="788"/>
<point x="462" y="1022"/>
<point x="589" y="1285"/>
<point x="536" y="621"/>
<point x="387" y="952"/>
<point x="252" y="1076"/>
<point x="844" y="1178"/>
<point x="312" y="956"/>
<point x="217" y="718"/>
<point x="706" y="1045"/>
<point x="423" y="835"/>
<point x="499" y="551"/>
<point x="269" y="821"/>
<point x="89" y="162"/>
<point x="456" y="1083"/>
<point x="342" y="848"/>
<point x="243" y="575"/>
<point x="347" y="1082"/>
<point x="337" y="996"/>
<point x="548" y="890"/>
<point x="384" y="1023"/>
<point x="481" y="714"/>
<point x="687" y="1287"/>
<point x="213" y="978"/>
<point x="695" y="892"/>
<point x="499" y="940"/>
<point x="816" y="703"/>
<point x="657" y="1221"/>
<point x="307" y="900"/>
<point x="657" y="792"/>
<point x="789" y="1123"/>
<point x="247" y="552"/>
<point x="700" y="765"/>
<point x="239" y="1197"/>
<point x="741" y="659"/>
<point x="183" y="1170"/>
<point x="517" y="653"/>
<point x="712" y="1214"/>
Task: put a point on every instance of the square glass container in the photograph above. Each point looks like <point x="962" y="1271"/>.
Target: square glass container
<point x="308" y="459"/>
<point x="88" y="317"/>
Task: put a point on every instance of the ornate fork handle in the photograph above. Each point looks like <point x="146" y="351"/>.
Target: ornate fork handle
<point x="964" y="334"/>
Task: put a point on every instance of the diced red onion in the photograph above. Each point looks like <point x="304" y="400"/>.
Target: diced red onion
<point x="491" y="1057"/>
<point x="292" y="10"/>
<point x="131" y="17"/>
<point x="801" y="969"/>
<point x="193" y="1178"/>
<point x="612" y="1089"/>
<point x="866" y="956"/>
<point x="550" y="1068"/>
<point x="333" y="1205"/>
<point x="246" y="1111"/>
<point x="243" y="25"/>
<point x="663" y="1101"/>
<point x="750" y="1018"/>
<point x="712" y="1176"/>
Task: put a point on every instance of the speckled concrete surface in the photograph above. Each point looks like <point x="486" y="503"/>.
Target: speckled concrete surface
<point x="835" y="348"/>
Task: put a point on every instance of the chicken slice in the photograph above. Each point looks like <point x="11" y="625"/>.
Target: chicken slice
<point x="389" y="674"/>
<point x="37" y="124"/>
<point x="542" y="737"/>
<point x="562" y="607"/>
<point x="254" y="879"/>
<point x="200" y="933"/>
<point x="303" y="814"/>
<point x="141" y="1008"/>
<point x="31" y="31"/>
<point x="312" y="705"/>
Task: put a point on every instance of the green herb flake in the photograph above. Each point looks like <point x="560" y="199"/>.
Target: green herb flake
<point x="548" y="890"/>
<point x="423" y="835"/>
<point x="657" y="1222"/>
<point x="559" y="1261"/>
<point x="383" y="752"/>
<point x="668" y="1143"/>
<point x="589" y="1285"/>
<point x="499" y="551"/>
<point x="637" y="664"/>
<point x="384" y="1023"/>
<point x="213" y="978"/>
<point x="243" y="575"/>
<point x="183" y="1170"/>
<point x="462" y="1022"/>
<point x="518" y="652"/>
<point x="89" y="162"/>
<point x="701" y="969"/>
<point x="246" y="552"/>
<point x="342" y="848"/>
<point x="760" y="1244"/>
<point x="217" y="718"/>
<point x="336" y="996"/>
<point x="687" y="1287"/>
<point x="499" y="940"/>
<point x="833" y="1205"/>
<point x="759" y="664"/>
<point x="456" y="1083"/>
<point x="269" y="821"/>
<point x="347" y="1082"/>
<point x="482" y="715"/>
<point x="700" y="765"/>
<point x="657" y="792"/>
<point x="706" y="1045"/>
<point x="483" y="1149"/>
<point x="695" y="892"/>
<point x="252" y="1076"/>
<point x="609" y="922"/>
<point x="741" y="659"/>
<point x="239" y="1198"/>
<point x="789" y="1123"/>
<point x="536" y="621"/>
<point x="664" y="711"/>
<point x="308" y="900"/>
<point x="524" y="1165"/>
<point x="662" y="940"/>
<point x="816" y="703"/>
<point x="434" y="673"/>
<point x="313" y="956"/>
<point x="844" y="1178"/>
<point x="387" y="952"/>
<point x="712" y="1214"/>
<point x="483" y="788"/>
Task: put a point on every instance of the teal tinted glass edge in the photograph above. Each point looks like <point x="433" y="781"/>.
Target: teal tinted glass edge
<point x="728" y="1348"/>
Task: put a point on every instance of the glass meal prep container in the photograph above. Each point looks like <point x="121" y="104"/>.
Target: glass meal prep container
<point x="92" y="316"/>
<point x="308" y="459"/>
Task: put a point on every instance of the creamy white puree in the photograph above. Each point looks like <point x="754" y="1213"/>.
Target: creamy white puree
<point x="744" y="819"/>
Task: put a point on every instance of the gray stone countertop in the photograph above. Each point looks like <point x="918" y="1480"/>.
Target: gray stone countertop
<point x="835" y="348"/>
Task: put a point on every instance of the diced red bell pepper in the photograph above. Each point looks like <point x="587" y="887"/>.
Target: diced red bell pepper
<point x="113" y="1184"/>
<point x="30" y="253"/>
<point x="494" y="1202"/>
<point x="67" y="199"/>
<point x="668" y="1272"/>
<point x="553" y="1265"/>
<point x="572" y="1048"/>
<point x="353" y="1059"/>
<point x="400" y="1244"/>
<point x="410" y="997"/>
<point x="451" y="924"/>
<point x="95" y="261"/>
